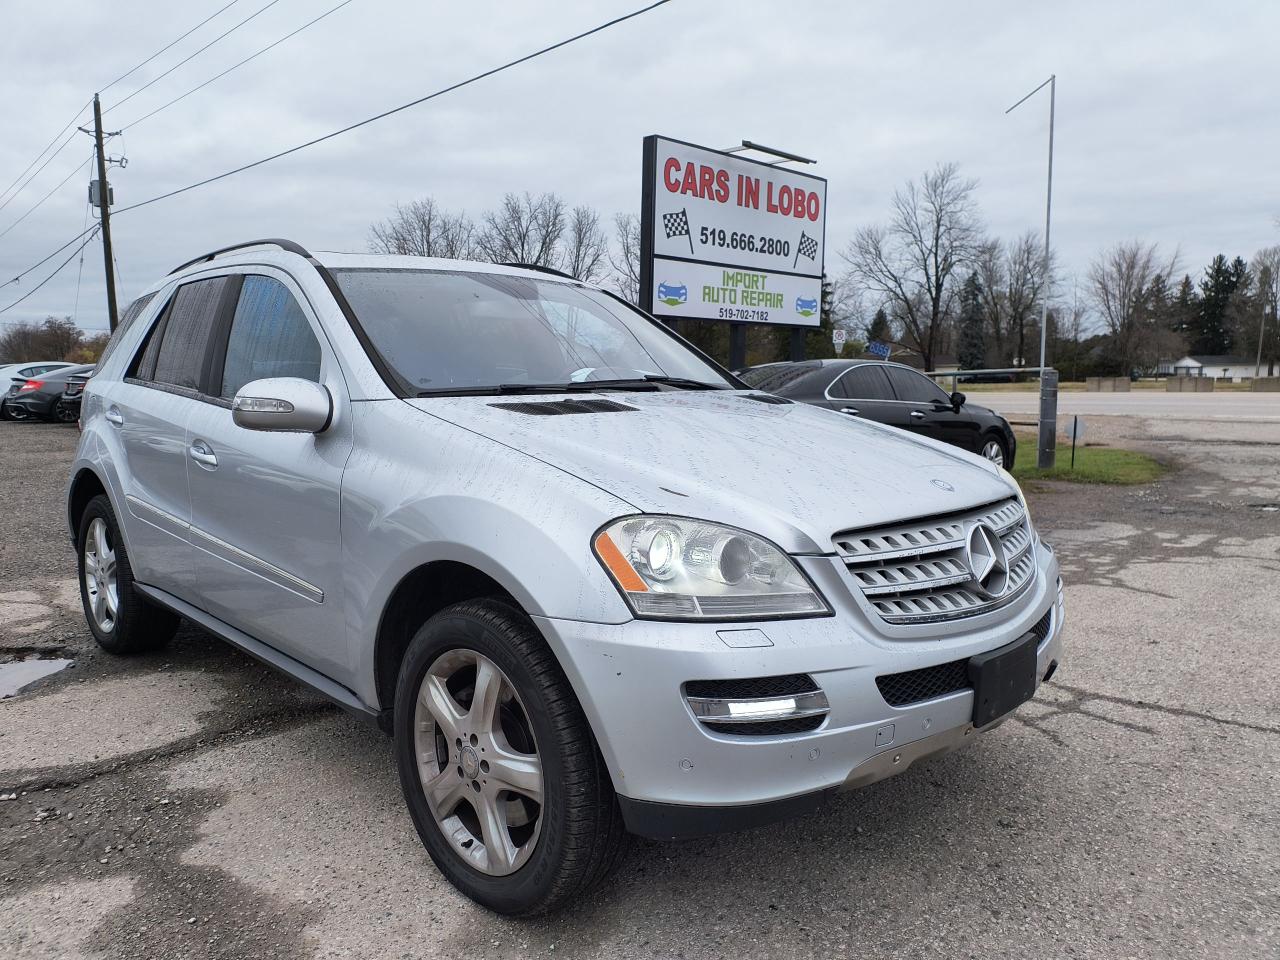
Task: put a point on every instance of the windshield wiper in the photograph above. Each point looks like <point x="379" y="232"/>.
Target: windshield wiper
<point x="685" y="382"/>
<point x="648" y="382"/>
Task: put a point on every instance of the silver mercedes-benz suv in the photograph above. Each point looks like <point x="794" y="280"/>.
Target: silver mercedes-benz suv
<point x="588" y="580"/>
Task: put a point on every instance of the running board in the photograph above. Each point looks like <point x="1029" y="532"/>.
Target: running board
<point x="260" y="651"/>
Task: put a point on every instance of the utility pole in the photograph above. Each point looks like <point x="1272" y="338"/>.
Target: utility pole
<point x="104" y="209"/>
<point x="1047" y="438"/>
<point x="1262" y="329"/>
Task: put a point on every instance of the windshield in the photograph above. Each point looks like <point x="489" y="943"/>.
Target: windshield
<point x="456" y="331"/>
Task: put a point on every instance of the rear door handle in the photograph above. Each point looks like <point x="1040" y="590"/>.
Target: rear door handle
<point x="917" y="415"/>
<point x="114" y="415"/>
<point x="202" y="454"/>
<point x="853" y="411"/>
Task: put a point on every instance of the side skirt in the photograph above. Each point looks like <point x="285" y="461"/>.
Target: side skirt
<point x="260" y="651"/>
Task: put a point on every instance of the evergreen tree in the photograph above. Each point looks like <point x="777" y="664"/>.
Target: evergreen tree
<point x="972" y="351"/>
<point x="1185" y="309"/>
<point x="879" y="328"/>
<point x="1212" y="331"/>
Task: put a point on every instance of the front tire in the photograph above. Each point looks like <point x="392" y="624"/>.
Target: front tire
<point x="499" y="768"/>
<point x="121" y="620"/>
<point x="994" y="449"/>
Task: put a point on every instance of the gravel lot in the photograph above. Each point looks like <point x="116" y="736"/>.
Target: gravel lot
<point x="193" y="804"/>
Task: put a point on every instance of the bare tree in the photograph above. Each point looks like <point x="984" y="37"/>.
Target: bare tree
<point x="422" y="228"/>
<point x="908" y="265"/>
<point x="1013" y="285"/>
<point x="524" y="229"/>
<point x="57" y="338"/>
<point x="586" y="249"/>
<point x="626" y="261"/>
<point x="1120" y="283"/>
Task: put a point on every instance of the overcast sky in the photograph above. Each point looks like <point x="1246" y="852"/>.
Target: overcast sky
<point x="1166" y="125"/>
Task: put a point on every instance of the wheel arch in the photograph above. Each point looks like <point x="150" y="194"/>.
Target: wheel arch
<point x="84" y="486"/>
<point x="419" y="595"/>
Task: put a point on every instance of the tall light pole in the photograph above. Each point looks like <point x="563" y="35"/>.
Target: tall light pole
<point x="1048" y="390"/>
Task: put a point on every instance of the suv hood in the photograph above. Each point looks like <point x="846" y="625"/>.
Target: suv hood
<point x="791" y="472"/>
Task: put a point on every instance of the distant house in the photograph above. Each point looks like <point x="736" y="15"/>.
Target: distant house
<point x="1219" y="367"/>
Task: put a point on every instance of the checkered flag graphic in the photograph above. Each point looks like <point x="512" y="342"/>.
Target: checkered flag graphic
<point x="677" y="225"/>
<point x="808" y="247"/>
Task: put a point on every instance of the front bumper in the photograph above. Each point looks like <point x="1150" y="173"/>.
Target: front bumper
<point x="675" y="777"/>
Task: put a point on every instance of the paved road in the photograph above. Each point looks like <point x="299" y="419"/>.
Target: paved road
<point x="193" y="804"/>
<point x="1253" y="407"/>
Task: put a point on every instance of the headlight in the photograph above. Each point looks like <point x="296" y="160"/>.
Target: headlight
<point x="679" y="569"/>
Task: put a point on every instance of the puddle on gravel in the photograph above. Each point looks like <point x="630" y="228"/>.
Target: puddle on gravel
<point x="20" y="673"/>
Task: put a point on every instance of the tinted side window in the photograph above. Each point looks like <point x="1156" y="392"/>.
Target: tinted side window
<point x="915" y="387"/>
<point x="130" y="315"/>
<point x="270" y="337"/>
<point x="865" y="383"/>
<point x="778" y="377"/>
<point x="185" y="338"/>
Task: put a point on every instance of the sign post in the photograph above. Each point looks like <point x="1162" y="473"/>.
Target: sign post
<point x="723" y="237"/>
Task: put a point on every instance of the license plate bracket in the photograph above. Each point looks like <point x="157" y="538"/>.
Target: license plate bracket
<point x="1003" y="679"/>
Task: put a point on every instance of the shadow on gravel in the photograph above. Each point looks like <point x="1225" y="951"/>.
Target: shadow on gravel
<point x="134" y="826"/>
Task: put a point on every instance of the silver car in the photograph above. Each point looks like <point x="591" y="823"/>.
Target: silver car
<point x="589" y="582"/>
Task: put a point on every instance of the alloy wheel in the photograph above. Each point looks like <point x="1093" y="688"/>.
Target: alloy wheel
<point x="478" y="762"/>
<point x="993" y="452"/>
<point x="100" y="575"/>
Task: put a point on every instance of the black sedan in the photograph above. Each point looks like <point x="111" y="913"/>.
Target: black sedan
<point x="49" y="396"/>
<point x="893" y="394"/>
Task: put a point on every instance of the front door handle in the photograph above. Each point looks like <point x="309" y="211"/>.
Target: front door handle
<point x="202" y="454"/>
<point x="917" y="415"/>
<point x="852" y="411"/>
<point x="114" y="416"/>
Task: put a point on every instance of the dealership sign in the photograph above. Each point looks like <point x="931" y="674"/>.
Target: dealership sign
<point x="727" y="238"/>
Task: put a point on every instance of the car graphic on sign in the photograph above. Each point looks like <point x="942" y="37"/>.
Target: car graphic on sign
<point x="806" y="308"/>
<point x="673" y="294"/>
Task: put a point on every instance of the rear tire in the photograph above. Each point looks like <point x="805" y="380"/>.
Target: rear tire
<point x="562" y="843"/>
<point x="63" y="412"/>
<point x="121" y="620"/>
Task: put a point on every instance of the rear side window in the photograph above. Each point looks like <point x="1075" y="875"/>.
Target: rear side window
<point x="913" y="387"/>
<point x="130" y="315"/>
<point x="270" y="337"/>
<point x="185" y="345"/>
<point x="863" y="383"/>
<point x="778" y="377"/>
<point x="177" y="348"/>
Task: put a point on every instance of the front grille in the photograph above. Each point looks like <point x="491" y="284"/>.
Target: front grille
<point x="916" y="686"/>
<point x="927" y="683"/>
<point x="767" y="728"/>
<point x="751" y="688"/>
<point x="1042" y="627"/>
<point x="916" y="572"/>
<point x="555" y="408"/>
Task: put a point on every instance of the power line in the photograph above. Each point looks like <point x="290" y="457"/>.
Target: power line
<point x="71" y="123"/>
<point x="89" y="239"/>
<point x="412" y="103"/>
<point x="187" y="59"/>
<point x="147" y="116"/>
<point x="329" y="136"/>
<point x="13" y="196"/>
<point x="138" y="66"/>
<point x="39" y="263"/>
<point x="35" y="206"/>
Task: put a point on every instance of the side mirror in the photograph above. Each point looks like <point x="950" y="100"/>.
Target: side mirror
<point x="283" y="404"/>
<point x="957" y="400"/>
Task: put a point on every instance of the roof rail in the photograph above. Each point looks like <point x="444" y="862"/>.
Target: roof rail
<point x="287" y="245"/>
<point x="540" y="269"/>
